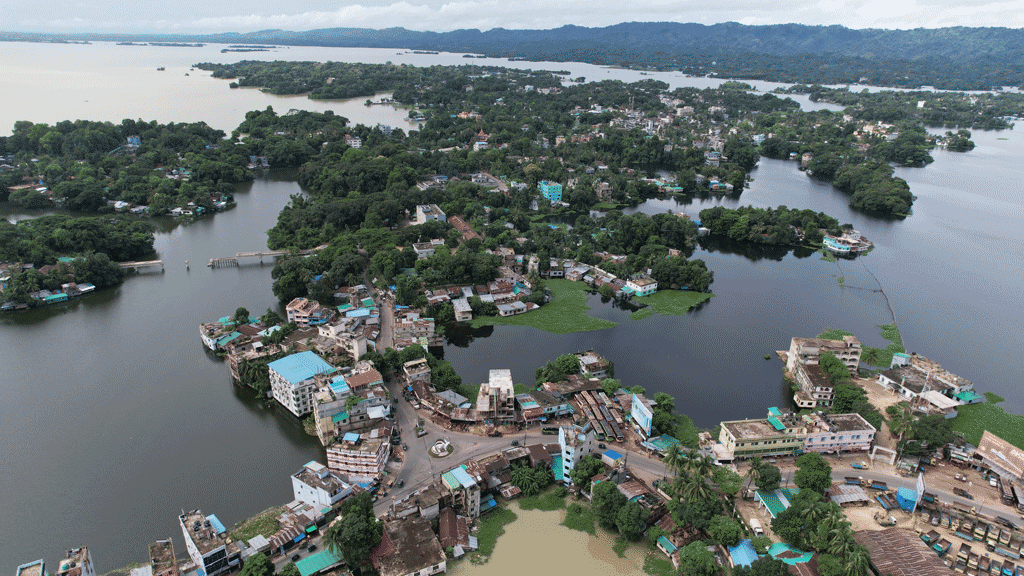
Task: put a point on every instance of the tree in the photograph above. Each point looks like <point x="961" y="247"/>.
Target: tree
<point x="290" y="569"/>
<point x="568" y="364"/>
<point x="585" y="469"/>
<point x="241" y="316"/>
<point x="698" y="558"/>
<point x="674" y="458"/>
<point x="725" y="531"/>
<point x="901" y="425"/>
<point x="357" y="533"/>
<point x="769" y="478"/>
<point x="524" y="479"/>
<point x="728" y="482"/>
<point x="632" y="520"/>
<point x="610" y="386"/>
<point x="271" y="318"/>
<point x="813" y="473"/>
<point x="258" y="565"/>
<point x="834" y="367"/>
<point x="766" y="566"/>
<point x="606" y="502"/>
<point x="761" y="544"/>
<point x="857" y="562"/>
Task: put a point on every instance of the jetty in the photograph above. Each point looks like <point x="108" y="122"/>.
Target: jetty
<point x="142" y="264"/>
<point x="253" y="257"/>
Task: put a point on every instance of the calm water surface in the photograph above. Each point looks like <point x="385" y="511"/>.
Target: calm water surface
<point x="114" y="418"/>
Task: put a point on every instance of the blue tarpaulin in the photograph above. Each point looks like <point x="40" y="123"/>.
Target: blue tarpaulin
<point x="299" y="537"/>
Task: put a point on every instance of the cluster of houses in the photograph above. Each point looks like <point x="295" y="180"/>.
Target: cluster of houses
<point x="67" y="289"/>
<point x="928" y="387"/>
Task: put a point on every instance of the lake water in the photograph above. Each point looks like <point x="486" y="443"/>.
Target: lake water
<point x="114" y="417"/>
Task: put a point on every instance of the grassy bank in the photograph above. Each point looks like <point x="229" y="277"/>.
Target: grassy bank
<point x="580" y="517"/>
<point x="566" y="313"/>
<point x="670" y="302"/>
<point x="973" y="419"/>
<point x="264" y="524"/>
<point x="547" y="502"/>
<point x="881" y="357"/>
<point x="491" y="527"/>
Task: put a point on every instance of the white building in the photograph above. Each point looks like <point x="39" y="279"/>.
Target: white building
<point x="293" y="380"/>
<point x="358" y="458"/>
<point x="315" y="485"/>
<point x="575" y="442"/>
<point x="425" y="212"/>
<point x="208" y="544"/>
<point x="497" y="398"/>
<point x="642" y="285"/>
<point x="463" y="311"/>
<point x="808" y="350"/>
<point x="834" y="433"/>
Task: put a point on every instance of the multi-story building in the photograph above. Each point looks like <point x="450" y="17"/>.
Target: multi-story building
<point x="592" y="364"/>
<point x="550" y="190"/>
<point x="162" y="559"/>
<point x="208" y="544"/>
<point x="416" y="370"/>
<point x="464" y="491"/>
<point x="293" y="380"/>
<point x="315" y="485"/>
<point x="426" y="212"/>
<point x="575" y="442"/>
<point x="912" y="375"/>
<point x="642" y="285"/>
<point x="77" y="562"/>
<point x="306" y="313"/>
<point x="497" y="399"/>
<point x="808" y="350"/>
<point x="413" y="329"/>
<point x="835" y="433"/>
<point x="778" y="435"/>
<point x="359" y="458"/>
<point x="815" y="386"/>
<point x="343" y="337"/>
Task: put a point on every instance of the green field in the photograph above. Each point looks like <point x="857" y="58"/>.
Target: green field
<point x="670" y="302"/>
<point x="566" y="313"/>
<point x="973" y="419"/>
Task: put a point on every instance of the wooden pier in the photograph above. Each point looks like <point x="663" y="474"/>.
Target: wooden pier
<point x="236" y="260"/>
<point x="143" y="264"/>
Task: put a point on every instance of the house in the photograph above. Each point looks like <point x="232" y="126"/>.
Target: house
<point x="408" y="547"/>
<point x="815" y="386"/>
<point x="1001" y="457"/>
<point x="550" y="190"/>
<point x="315" y="485"/>
<point x="576" y="273"/>
<point x="426" y="212"/>
<point x="575" y="443"/>
<point x="305" y="313"/>
<point x="359" y="458"/>
<point x="641" y="285"/>
<point x="37" y="568"/>
<point x="292" y="380"/>
<point x="512" y="308"/>
<point x="162" y="559"/>
<point x="808" y="350"/>
<point x="592" y="364"/>
<point x="208" y="543"/>
<point x="416" y="370"/>
<point x="496" y="400"/>
<point x="778" y="435"/>
<point x="453" y="530"/>
<point x="463" y="311"/>
<point x="353" y="141"/>
<point x="77" y="562"/>
<point x="463" y="489"/>
<point x="837" y="433"/>
<point x="911" y="381"/>
<point x="426" y="249"/>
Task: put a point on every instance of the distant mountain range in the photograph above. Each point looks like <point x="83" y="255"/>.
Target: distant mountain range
<point x="953" y="58"/>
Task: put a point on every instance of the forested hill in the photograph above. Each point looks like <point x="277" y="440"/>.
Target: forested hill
<point x="950" y="58"/>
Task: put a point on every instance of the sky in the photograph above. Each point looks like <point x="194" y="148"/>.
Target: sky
<point x="193" y="16"/>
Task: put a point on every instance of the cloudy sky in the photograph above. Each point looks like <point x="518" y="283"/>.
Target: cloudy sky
<point x="439" y="15"/>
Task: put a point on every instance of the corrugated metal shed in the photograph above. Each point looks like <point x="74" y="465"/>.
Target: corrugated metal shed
<point x="899" y="552"/>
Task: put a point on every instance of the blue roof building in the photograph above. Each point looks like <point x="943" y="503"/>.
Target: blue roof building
<point x="292" y="380"/>
<point x="551" y="190"/>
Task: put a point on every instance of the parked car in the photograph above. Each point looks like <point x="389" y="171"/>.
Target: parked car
<point x="405" y="447"/>
<point x="400" y="483"/>
<point x="515" y="442"/>
<point x="601" y="446"/>
<point x="993" y="482"/>
<point x="312" y="547"/>
<point x="295" y="557"/>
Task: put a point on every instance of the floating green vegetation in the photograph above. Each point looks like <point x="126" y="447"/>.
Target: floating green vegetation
<point x="566" y="313"/>
<point x="883" y="356"/>
<point x="672" y="302"/>
<point x="491" y="527"/>
<point x="973" y="419"/>
<point x="552" y="500"/>
<point x="642" y="313"/>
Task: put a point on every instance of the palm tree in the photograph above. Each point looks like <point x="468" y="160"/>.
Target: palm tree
<point x="857" y="562"/>
<point x="840" y="542"/>
<point x="694" y="489"/>
<point x="754" y="472"/>
<point x="525" y="480"/>
<point x="703" y="465"/>
<point x="901" y="425"/>
<point x="674" y="458"/>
